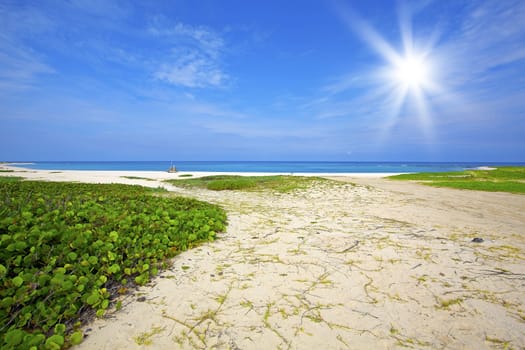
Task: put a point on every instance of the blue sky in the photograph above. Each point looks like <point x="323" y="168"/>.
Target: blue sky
<point x="261" y="80"/>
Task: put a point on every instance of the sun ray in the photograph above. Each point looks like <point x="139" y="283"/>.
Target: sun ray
<point x="368" y="34"/>
<point x="394" y="103"/>
<point x="423" y="114"/>
<point x="405" y="24"/>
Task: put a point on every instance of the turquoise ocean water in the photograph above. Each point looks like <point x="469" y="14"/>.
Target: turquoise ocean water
<point x="267" y="166"/>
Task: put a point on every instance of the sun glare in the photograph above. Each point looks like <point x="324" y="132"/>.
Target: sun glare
<point x="411" y="71"/>
<point x="409" y="79"/>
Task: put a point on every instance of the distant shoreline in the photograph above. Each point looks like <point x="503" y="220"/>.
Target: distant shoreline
<point x="101" y="175"/>
<point x="267" y="167"/>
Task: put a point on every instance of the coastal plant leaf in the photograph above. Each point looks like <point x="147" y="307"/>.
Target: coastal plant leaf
<point x="76" y="338"/>
<point x="54" y="342"/>
<point x="14" y="337"/>
<point x="17" y="281"/>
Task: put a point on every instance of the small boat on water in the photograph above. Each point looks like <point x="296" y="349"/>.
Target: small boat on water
<point x="172" y="169"/>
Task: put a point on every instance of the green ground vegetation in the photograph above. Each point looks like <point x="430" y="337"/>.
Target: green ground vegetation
<point x="279" y="183"/>
<point x="9" y="179"/>
<point x="137" y="178"/>
<point x="68" y="249"/>
<point x="504" y="179"/>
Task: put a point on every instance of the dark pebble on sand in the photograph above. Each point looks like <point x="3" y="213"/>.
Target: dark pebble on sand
<point x="477" y="240"/>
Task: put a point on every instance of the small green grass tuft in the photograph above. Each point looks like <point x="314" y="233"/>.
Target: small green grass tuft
<point x="279" y="183"/>
<point x="145" y="337"/>
<point x="504" y="179"/>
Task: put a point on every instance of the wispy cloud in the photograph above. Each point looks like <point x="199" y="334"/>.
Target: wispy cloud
<point x="20" y="66"/>
<point x="20" y="69"/>
<point x="191" y="69"/>
<point x="179" y="54"/>
<point x="491" y="35"/>
<point x="265" y="129"/>
<point x="203" y="38"/>
<point x="341" y="84"/>
<point x="206" y="109"/>
<point x="194" y="58"/>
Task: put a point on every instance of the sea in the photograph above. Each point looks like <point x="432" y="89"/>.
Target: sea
<point x="265" y="166"/>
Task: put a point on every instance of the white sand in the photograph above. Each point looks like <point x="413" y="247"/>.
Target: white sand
<point x="380" y="264"/>
<point x="109" y="176"/>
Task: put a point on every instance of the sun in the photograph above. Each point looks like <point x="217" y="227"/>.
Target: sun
<point x="411" y="71"/>
<point x="408" y="77"/>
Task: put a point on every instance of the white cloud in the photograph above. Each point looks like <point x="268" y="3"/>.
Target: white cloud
<point x="194" y="58"/>
<point x="193" y="70"/>
<point x="208" y="41"/>
<point x="202" y="34"/>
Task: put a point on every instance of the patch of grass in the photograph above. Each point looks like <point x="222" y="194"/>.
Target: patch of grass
<point x="279" y="183"/>
<point x="10" y="179"/>
<point x="504" y="179"/>
<point x="6" y="171"/>
<point x="186" y="175"/>
<point x="137" y="178"/>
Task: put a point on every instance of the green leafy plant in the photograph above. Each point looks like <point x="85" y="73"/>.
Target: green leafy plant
<point x="66" y="250"/>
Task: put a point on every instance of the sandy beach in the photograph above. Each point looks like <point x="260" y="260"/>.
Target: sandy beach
<point x="361" y="262"/>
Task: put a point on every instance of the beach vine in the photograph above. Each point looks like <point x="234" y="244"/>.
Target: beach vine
<point x="67" y="250"/>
